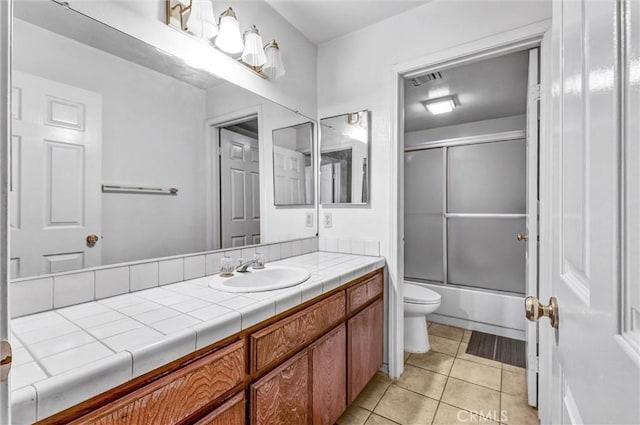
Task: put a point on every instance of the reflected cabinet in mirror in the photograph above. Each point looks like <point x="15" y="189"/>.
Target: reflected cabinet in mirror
<point x="121" y="152"/>
<point x="293" y="168"/>
<point x="344" y="159"/>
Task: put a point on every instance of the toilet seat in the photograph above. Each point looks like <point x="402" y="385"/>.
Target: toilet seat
<point x="416" y="294"/>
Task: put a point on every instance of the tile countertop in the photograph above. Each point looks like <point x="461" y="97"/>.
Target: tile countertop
<point x="64" y="356"/>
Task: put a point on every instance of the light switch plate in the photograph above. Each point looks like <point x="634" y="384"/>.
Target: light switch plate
<point x="328" y="220"/>
<point x="309" y="219"/>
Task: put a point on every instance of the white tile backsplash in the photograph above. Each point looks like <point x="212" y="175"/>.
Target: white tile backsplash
<point x="344" y="246"/>
<point x="171" y="271"/>
<point x="31" y="296"/>
<point x="194" y="267"/>
<point x="76" y="288"/>
<point x="111" y="282"/>
<point x="105" y="282"/>
<point x="357" y="247"/>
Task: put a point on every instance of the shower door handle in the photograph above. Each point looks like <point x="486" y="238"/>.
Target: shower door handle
<point x="534" y="310"/>
<point x="521" y="237"/>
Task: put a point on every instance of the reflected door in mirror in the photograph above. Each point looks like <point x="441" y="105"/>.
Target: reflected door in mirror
<point x="55" y="176"/>
<point x="239" y="189"/>
<point x="293" y="176"/>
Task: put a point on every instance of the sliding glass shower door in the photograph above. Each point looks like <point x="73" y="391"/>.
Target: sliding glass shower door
<point x="464" y="206"/>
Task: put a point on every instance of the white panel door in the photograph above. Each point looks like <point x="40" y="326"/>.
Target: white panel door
<point x="289" y="174"/>
<point x="56" y="167"/>
<point x="595" y="351"/>
<point x="240" y="190"/>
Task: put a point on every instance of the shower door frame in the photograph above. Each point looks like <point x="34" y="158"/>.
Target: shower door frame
<point x="445" y="144"/>
<point x="528" y="36"/>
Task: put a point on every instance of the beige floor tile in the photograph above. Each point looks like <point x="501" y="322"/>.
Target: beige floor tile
<point x="406" y="407"/>
<point x="514" y="384"/>
<point x="406" y="356"/>
<point x="514" y="369"/>
<point x="476" y="373"/>
<point x="462" y="354"/>
<point x="354" y="415"/>
<point x="436" y="362"/>
<point x="378" y="420"/>
<point x="465" y="395"/>
<point x="446" y="331"/>
<point x="516" y="411"/>
<point x="467" y="336"/>
<point x="450" y="415"/>
<point x="422" y="381"/>
<point x="444" y="345"/>
<point x="373" y="392"/>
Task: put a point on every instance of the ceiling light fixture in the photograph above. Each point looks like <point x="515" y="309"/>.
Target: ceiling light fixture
<point x="229" y="39"/>
<point x="274" y="67"/>
<point x="253" y="54"/>
<point x="440" y="105"/>
<point x="202" y="21"/>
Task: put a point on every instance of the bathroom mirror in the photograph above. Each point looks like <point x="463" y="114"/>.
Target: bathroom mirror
<point x="344" y="159"/>
<point x="293" y="165"/>
<point x="122" y="152"/>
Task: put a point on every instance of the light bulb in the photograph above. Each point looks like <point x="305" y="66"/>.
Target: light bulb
<point x="274" y="67"/>
<point x="229" y="39"/>
<point x="202" y="21"/>
<point x="253" y="53"/>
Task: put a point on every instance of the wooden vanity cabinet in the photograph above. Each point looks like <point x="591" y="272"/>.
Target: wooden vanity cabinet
<point x="301" y="367"/>
<point x="282" y="396"/>
<point x="364" y="348"/>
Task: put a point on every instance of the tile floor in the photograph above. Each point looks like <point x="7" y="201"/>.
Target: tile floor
<point x="445" y="386"/>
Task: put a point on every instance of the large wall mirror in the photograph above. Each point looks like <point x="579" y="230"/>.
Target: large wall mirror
<point x="121" y="152"/>
<point x="344" y="159"/>
<point x="293" y="165"/>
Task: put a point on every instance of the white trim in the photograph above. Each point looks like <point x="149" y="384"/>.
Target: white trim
<point x="495" y="45"/>
<point x="5" y="137"/>
<point x="212" y="180"/>
<point x="469" y="140"/>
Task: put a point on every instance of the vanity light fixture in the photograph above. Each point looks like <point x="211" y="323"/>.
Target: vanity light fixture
<point x="274" y="68"/>
<point x="202" y="21"/>
<point x="253" y="54"/>
<point x="440" y="105"/>
<point x="229" y="39"/>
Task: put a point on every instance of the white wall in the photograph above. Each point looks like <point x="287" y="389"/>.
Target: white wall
<point x="278" y="223"/>
<point x="145" y="20"/>
<point x="153" y="134"/>
<point x="476" y="128"/>
<point x="354" y="73"/>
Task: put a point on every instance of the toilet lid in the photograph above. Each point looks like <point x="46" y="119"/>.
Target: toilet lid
<point x="420" y="295"/>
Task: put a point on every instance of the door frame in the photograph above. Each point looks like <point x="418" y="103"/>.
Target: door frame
<point x="499" y="44"/>
<point x="212" y="169"/>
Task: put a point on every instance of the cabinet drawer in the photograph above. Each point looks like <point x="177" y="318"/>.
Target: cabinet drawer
<point x="358" y="295"/>
<point x="179" y="394"/>
<point x="276" y="342"/>
<point x="230" y="413"/>
<point x="282" y="396"/>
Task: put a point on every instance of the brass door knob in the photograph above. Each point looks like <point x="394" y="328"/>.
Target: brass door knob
<point x="535" y="310"/>
<point x="521" y="237"/>
<point x="6" y="358"/>
<point x="91" y="240"/>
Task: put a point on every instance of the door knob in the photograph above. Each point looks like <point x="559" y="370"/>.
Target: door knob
<point x="91" y="240"/>
<point x="521" y="237"/>
<point x="534" y="310"/>
<point x="6" y="358"/>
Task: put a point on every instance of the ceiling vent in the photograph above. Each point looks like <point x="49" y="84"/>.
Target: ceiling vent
<point x="418" y="81"/>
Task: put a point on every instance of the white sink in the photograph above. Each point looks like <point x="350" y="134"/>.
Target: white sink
<point x="267" y="279"/>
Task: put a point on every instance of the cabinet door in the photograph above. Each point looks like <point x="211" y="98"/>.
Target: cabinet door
<point x="329" y="377"/>
<point x="282" y="396"/>
<point x="364" y="348"/>
<point x="230" y="413"/>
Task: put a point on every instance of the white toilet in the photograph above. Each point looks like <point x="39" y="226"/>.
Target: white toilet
<point x="418" y="302"/>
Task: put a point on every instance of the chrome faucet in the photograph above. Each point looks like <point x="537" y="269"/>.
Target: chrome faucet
<point x="242" y="267"/>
